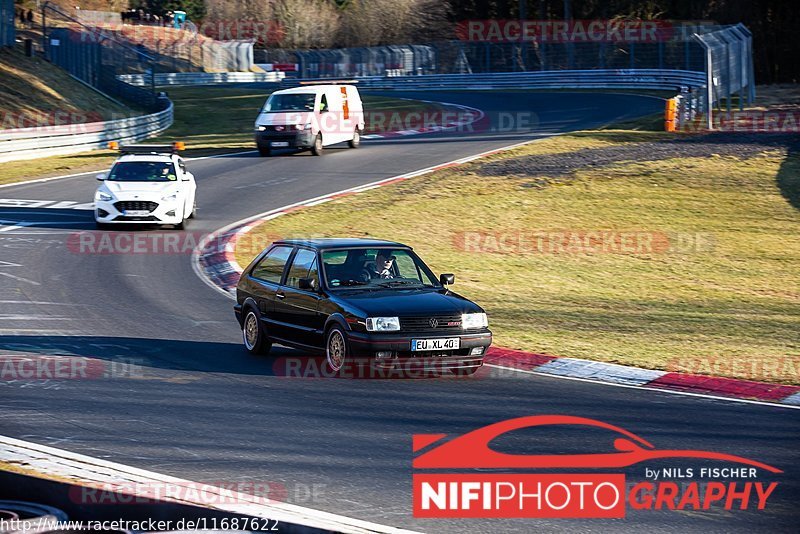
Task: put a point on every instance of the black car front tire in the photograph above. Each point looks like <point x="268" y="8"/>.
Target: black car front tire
<point x="253" y="336"/>
<point x="264" y="151"/>
<point x="336" y="350"/>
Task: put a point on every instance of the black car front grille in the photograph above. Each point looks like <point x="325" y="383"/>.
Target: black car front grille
<point x="431" y="323"/>
<point x="135" y="205"/>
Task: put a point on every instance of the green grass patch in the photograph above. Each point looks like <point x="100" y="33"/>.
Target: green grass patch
<point x="725" y="300"/>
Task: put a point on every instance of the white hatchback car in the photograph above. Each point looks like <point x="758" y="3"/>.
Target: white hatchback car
<point x="148" y="184"/>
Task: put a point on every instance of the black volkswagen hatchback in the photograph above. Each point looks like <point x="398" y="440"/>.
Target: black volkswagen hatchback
<point x="357" y="300"/>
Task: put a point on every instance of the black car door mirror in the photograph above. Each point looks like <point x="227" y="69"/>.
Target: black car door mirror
<point x="447" y="279"/>
<point x="307" y="284"/>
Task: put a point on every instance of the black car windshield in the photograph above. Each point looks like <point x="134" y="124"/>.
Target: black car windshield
<point x="376" y="268"/>
<point x="290" y="102"/>
<point x="143" y="171"/>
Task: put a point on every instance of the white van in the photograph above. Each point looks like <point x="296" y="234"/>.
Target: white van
<point x="313" y="116"/>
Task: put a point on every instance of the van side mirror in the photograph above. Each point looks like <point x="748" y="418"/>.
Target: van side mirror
<point x="447" y="279"/>
<point x="307" y="284"/>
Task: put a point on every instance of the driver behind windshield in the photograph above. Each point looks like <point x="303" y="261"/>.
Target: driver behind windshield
<point x="383" y="267"/>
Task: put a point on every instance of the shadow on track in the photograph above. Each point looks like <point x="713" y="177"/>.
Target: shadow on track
<point x="125" y="357"/>
<point x="55" y="218"/>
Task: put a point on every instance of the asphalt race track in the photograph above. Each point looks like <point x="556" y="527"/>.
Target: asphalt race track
<point x="203" y="409"/>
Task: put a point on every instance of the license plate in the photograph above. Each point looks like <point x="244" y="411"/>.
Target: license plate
<point x="137" y="213"/>
<point x="441" y="343"/>
<point x="279" y="143"/>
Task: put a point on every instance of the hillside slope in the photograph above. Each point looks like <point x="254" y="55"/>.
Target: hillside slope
<point x="34" y="92"/>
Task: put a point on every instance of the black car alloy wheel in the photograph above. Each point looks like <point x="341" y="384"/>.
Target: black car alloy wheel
<point x="336" y="349"/>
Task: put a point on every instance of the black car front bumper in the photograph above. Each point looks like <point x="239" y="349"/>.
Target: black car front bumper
<point x="396" y="350"/>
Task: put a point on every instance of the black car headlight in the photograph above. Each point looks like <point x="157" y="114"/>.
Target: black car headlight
<point x="383" y="324"/>
<point x="470" y="321"/>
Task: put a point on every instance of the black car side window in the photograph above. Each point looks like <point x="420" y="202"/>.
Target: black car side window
<point x="303" y="266"/>
<point x="270" y="268"/>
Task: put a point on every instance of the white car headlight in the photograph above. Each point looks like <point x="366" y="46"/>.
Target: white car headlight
<point x="171" y="197"/>
<point x="383" y="324"/>
<point x="102" y="196"/>
<point x="474" y="320"/>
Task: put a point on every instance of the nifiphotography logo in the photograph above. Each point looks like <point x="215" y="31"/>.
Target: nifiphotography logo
<point x="601" y="492"/>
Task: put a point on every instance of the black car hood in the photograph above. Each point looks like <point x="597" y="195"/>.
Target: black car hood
<point x="406" y="302"/>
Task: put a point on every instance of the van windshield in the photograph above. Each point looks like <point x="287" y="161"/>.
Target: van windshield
<point x="290" y="102"/>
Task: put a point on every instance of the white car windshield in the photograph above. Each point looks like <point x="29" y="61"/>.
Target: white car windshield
<point x="290" y="102"/>
<point x="143" y="171"/>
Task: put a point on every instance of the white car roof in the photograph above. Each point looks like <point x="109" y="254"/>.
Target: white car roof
<point x="146" y="157"/>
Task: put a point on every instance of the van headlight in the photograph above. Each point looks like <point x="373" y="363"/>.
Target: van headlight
<point x="171" y="197"/>
<point x="383" y="324"/>
<point x="102" y="196"/>
<point x="474" y="320"/>
<point x="306" y="126"/>
<point x="261" y="128"/>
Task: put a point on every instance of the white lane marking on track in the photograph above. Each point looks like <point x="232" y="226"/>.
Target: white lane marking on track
<point x="9" y="275"/>
<point x="11" y="227"/>
<point x="47" y="204"/>
<point x="19" y="278"/>
<point x="17" y="317"/>
<point x="50" y="462"/>
<point x="39" y="302"/>
<point x="644" y="388"/>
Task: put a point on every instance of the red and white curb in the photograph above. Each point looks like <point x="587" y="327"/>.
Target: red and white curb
<point x="108" y="477"/>
<point x="215" y="264"/>
<point x="635" y="377"/>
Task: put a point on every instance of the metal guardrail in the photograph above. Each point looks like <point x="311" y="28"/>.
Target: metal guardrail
<point x="43" y="141"/>
<point x="202" y="78"/>
<point x="668" y="80"/>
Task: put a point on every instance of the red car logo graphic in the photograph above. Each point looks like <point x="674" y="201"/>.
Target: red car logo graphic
<point x="472" y="450"/>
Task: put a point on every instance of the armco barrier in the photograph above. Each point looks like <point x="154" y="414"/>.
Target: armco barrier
<point x="37" y="142"/>
<point x="668" y="80"/>
<point x="203" y="78"/>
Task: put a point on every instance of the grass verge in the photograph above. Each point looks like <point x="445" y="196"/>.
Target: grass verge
<point x="713" y="290"/>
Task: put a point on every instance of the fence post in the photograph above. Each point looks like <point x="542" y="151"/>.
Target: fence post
<point x="709" y="81"/>
<point x="44" y="33"/>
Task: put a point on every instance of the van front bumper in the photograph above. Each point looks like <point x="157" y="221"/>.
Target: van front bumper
<point x="284" y="139"/>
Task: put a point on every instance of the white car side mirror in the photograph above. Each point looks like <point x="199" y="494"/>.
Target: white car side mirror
<point x="102" y="176"/>
<point x="187" y="176"/>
